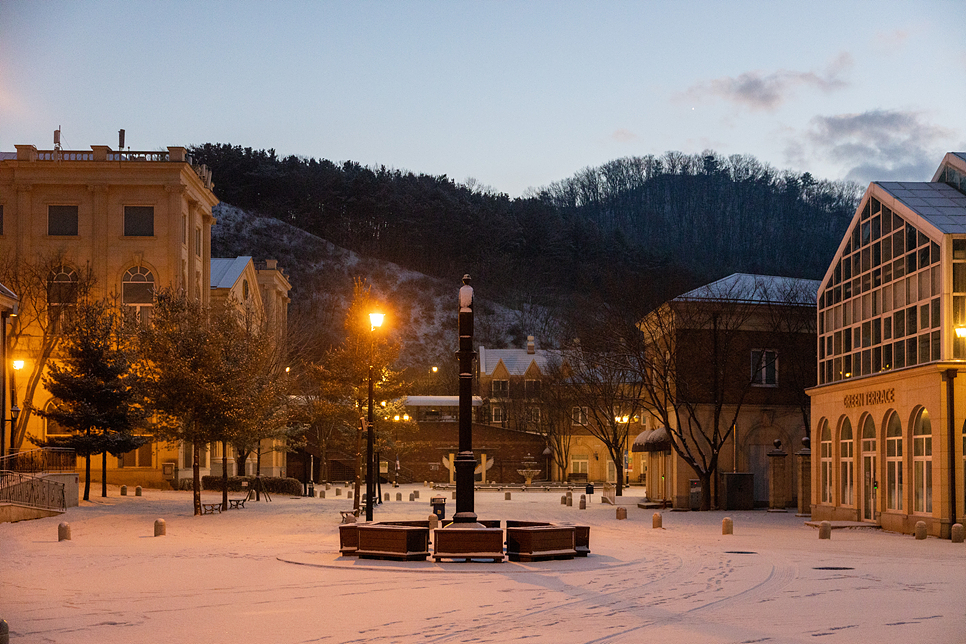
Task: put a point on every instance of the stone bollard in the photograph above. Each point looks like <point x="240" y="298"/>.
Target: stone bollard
<point x="656" y="520"/>
<point x="328" y="486"/>
<point x="563" y="500"/>
<point x="506" y="496"/>
<point x="63" y="532"/>
<point x="387" y="496"/>
<point x="570" y="501"/>
<point x="348" y="494"/>
<point x="416" y="493"/>
<point x="123" y="490"/>
<point x="425" y="484"/>
<point x="321" y="494"/>
<point x="412" y="496"/>
<point x="338" y="491"/>
<point x="159" y="528"/>
<point x="453" y="495"/>
<point x="621" y="513"/>
<point x="583" y="503"/>
<point x="433" y="522"/>
<point x="570" y="492"/>
<point x="4" y="632"/>
<point x="137" y="491"/>
<point x="920" y="530"/>
<point x="825" y="530"/>
<point x="727" y="526"/>
<point x="399" y="496"/>
<point x="957" y="533"/>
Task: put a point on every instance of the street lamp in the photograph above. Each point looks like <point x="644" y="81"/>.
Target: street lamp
<point x="14" y="410"/>
<point x="375" y="321"/>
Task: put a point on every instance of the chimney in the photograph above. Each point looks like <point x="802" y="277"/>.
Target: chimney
<point x="531" y="349"/>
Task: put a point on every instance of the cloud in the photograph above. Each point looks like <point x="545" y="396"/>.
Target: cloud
<point x="876" y="145"/>
<point x="622" y="135"/>
<point x="766" y="92"/>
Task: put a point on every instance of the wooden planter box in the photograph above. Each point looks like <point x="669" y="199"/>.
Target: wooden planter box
<point x="510" y="523"/>
<point x="537" y="543"/>
<point x="348" y="539"/>
<point x="468" y="543"/>
<point x="398" y="542"/>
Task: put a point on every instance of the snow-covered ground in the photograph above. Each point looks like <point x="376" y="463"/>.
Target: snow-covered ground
<point x="272" y="573"/>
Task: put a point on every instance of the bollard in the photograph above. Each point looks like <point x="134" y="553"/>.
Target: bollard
<point x="433" y="522"/>
<point x="506" y="496"/>
<point x="656" y="519"/>
<point x="920" y="530"/>
<point x="399" y="496"/>
<point x="425" y="484"/>
<point x="412" y="496"/>
<point x="583" y="503"/>
<point x="348" y="494"/>
<point x="727" y="526"/>
<point x="123" y="490"/>
<point x="453" y="495"/>
<point x="63" y="532"/>
<point x="416" y="493"/>
<point x="321" y="494"/>
<point x="159" y="528"/>
<point x="825" y="530"/>
<point x="338" y="491"/>
<point x="4" y="632"/>
<point x="958" y="533"/>
<point x="387" y="496"/>
<point x="621" y="513"/>
<point x="328" y="486"/>
<point x="570" y="501"/>
<point x="137" y="491"/>
<point x="563" y="500"/>
<point x="570" y="492"/>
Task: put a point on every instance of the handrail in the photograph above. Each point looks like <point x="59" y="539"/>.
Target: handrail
<point x="32" y="491"/>
<point x="45" y="459"/>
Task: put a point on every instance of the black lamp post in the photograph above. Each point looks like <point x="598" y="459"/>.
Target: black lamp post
<point x="465" y="464"/>
<point x="375" y="321"/>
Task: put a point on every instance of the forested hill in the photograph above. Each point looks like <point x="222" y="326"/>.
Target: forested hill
<point x="696" y="218"/>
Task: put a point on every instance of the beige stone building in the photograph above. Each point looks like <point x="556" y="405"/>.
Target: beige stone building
<point x="127" y="222"/>
<point x="888" y="422"/>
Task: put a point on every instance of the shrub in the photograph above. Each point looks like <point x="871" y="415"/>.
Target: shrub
<point x="271" y="484"/>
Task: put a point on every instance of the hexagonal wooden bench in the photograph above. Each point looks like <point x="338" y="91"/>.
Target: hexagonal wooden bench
<point x="468" y="543"/>
<point x="397" y="542"/>
<point x="540" y="542"/>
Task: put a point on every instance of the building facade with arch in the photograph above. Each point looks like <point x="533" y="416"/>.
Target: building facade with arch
<point x="888" y="433"/>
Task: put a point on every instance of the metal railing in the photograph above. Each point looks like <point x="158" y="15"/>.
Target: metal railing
<point x="32" y="491"/>
<point x="35" y="461"/>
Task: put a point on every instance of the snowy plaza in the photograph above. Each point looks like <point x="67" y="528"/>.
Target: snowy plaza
<point x="272" y="572"/>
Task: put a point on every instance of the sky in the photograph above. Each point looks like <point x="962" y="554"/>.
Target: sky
<point x="511" y="95"/>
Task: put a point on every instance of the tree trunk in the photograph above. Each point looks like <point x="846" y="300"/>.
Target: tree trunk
<point x="104" y="473"/>
<point x="258" y="473"/>
<point x="619" y="466"/>
<point x="705" y="478"/>
<point x="87" y="477"/>
<point x="355" y="500"/>
<point x="224" y="476"/>
<point x="196" y="477"/>
<point x="241" y="459"/>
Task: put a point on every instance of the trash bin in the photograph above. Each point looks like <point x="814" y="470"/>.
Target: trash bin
<point x="590" y="488"/>
<point x="695" y="494"/>
<point x="439" y="506"/>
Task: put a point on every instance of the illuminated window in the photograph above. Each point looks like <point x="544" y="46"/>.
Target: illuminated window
<point x="922" y="462"/>
<point x="847" y="464"/>
<point x="894" y="463"/>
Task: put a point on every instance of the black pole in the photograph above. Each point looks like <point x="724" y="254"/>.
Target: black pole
<point x="950" y="375"/>
<point x="370" y="483"/>
<point x="465" y="463"/>
<point x="3" y="386"/>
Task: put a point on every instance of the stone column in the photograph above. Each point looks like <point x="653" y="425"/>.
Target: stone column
<point x="805" y="478"/>
<point x="778" y="481"/>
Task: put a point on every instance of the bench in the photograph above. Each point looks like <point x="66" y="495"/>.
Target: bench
<point x="541" y="542"/>
<point x="468" y="543"/>
<point x="211" y="508"/>
<point x="349" y="513"/>
<point x="396" y="542"/>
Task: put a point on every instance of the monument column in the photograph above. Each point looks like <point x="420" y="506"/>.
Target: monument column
<point x="465" y="461"/>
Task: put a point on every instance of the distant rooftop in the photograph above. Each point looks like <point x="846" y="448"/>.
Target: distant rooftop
<point x="226" y="271"/>
<point x="941" y="205"/>
<point x="755" y="289"/>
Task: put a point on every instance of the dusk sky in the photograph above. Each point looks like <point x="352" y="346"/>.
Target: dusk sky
<point x="512" y="94"/>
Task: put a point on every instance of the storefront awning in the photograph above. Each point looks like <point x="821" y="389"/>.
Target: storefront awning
<point x="652" y="440"/>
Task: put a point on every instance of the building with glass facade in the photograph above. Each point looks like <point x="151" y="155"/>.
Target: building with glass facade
<point x="888" y="432"/>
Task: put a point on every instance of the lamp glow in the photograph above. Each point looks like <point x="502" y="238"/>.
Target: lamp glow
<point x="961" y="332"/>
<point x="375" y="320"/>
<point x="18" y="364"/>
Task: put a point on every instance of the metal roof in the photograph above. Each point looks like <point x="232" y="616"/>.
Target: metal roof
<point x="516" y="361"/>
<point x="226" y="271"/>
<point x="749" y="288"/>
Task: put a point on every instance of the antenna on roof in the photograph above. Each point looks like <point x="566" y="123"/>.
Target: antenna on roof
<point x="120" y="140"/>
<point x="57" y="138"/>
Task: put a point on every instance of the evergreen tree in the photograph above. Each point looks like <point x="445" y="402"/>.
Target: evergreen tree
<point x="94" y="390"/>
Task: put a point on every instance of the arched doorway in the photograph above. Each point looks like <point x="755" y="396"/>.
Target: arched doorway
<point x="869" y="481"/>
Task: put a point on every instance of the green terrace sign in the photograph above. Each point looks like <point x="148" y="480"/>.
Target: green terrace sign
<point x="875" y="397"/>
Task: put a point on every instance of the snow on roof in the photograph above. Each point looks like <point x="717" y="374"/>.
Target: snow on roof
<point x="8" y="156"/>
<point x="8" y="293"/>
<point x="226" y="271"/>
<point x="939" y="204"/>
<point x="439" y="401"/>
<point x="748" y="288"/>
<point x="516" y="361"/>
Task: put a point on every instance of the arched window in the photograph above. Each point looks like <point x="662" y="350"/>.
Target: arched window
<point x="894" y="463"/>
<point x="826" y="462"/>
<point x="137" y="295"/>
<point x="62" y="288"/>
<point x="922" y="462"/>
<point x="868" y="469"/>
<point x="53" y="428"/>
<point x="847" y="464"/>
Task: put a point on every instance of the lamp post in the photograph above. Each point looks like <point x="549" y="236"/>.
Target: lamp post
<point x="375" y="321"/>
<point x="14" y="410"/>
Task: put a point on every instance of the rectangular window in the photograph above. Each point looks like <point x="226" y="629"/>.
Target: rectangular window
<point x="531" y="388"/>
<point x="198" y="242"/>
<point x="579" y="464"/>
<point x="498" y="415"/>
<point x="138" y="221"/>
<point x="579" y="415"/>
<point x="764" y="367"/>
<point x="500" y="388"/>
<point x="533" y="415"/>
<point x="62" y="221"/>
<point x="140" y="457"/>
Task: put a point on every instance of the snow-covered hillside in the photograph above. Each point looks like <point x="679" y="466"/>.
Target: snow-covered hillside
<point x="422" y="308"/>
